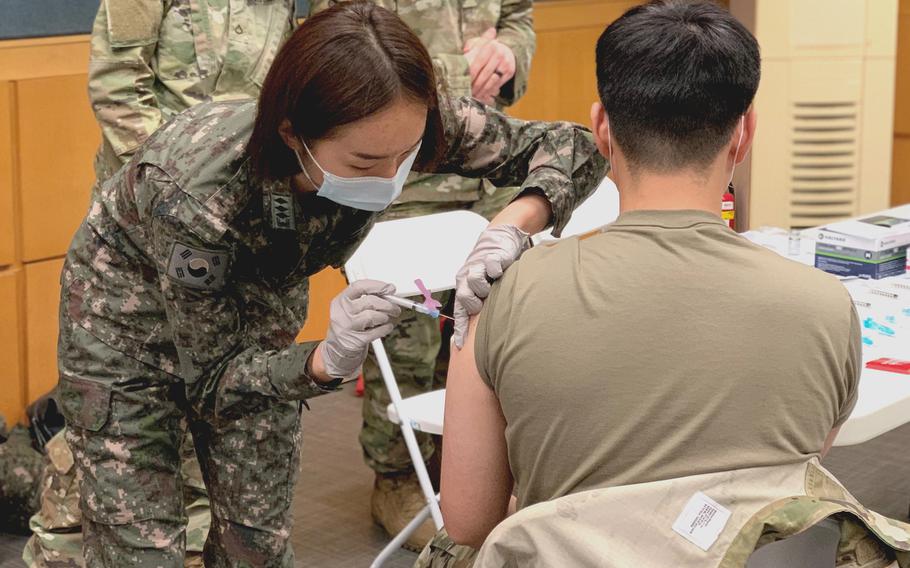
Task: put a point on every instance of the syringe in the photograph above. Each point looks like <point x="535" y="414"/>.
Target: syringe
<point x="415" y="306"/>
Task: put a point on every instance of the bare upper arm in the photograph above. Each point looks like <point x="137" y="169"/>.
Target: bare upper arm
<point x="476" y="480"/>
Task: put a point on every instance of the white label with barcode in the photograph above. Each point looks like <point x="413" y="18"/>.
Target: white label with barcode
<point x="702" y="521"/>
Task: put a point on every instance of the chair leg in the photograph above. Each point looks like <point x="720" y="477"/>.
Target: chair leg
<point x="401" y="538"/>
<point x="407" y="430"/>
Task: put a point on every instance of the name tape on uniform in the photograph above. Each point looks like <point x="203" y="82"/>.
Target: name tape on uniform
<point x="702" y="521"/>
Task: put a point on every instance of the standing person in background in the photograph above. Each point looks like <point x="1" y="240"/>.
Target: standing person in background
<point x="151" y="60"/>
<point x="483" y="49"/>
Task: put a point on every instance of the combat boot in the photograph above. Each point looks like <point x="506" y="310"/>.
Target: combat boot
<point x="396" y="500"/>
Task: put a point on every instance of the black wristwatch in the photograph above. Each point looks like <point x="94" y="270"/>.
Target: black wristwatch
<point x="331" y="385"/>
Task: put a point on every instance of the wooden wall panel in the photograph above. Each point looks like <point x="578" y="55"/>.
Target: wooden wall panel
<point x="323" y="288"/>
<point x="58" y="137"/>
<point x="562" y="84"/>
<point x="12" y="377"/>
<point x="902" y="98"/>
<point x="43" y="57"/>
<point x="900" y="180"/>
<point x="42" y="299"/>
<point x="7" y="204"/>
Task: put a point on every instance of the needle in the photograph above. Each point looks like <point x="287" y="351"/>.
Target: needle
<point x="416" y="307"/>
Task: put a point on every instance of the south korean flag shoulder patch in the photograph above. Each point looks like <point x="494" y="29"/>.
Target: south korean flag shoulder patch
<point x="198" y="268"/>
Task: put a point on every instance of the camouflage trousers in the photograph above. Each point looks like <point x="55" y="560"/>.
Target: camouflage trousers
<point x="56" y="540"/>
<point x="126" y="423"/>
<point x="20" y="473"/>
<point x="417" y="352"/>
<point x="442" y="552"/>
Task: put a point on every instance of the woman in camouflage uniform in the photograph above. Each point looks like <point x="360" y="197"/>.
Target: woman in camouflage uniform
<point x="151" y="60"/>
<point x="186" y="284"/>
<point x="480" y="48"/>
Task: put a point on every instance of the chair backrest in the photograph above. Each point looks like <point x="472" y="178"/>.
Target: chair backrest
<point x="600" y="208"/>
<point x="577" y="542"/>
<point x="670" y="523"/>
<point x="432" y="248"/>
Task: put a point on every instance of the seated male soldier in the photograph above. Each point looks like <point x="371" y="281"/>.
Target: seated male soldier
<point x="665" y="345"/>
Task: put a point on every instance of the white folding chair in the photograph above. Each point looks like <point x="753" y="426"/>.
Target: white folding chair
<point x="431" y="248"/>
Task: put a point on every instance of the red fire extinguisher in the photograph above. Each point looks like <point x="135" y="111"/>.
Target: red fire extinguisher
<point x="728" y="208"/>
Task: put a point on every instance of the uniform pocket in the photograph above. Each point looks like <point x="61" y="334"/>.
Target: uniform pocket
<point x="254" y="458"/>
<point x="274" y="21"/>
<point x="84" y="403"/>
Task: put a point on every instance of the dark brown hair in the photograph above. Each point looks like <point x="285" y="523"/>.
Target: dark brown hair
<point x="340" y="66"/>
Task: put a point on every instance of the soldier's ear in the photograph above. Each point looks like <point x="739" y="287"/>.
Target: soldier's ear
<point x="600" y="127"/>
<point x="286" y="131"/>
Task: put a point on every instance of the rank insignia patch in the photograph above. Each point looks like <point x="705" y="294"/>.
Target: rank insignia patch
<point x="197" y="268"/>
<point x="282" y="205"/>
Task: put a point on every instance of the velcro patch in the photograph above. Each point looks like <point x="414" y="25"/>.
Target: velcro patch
<point x="198" y="268"/>
<point x="131" y="22"/>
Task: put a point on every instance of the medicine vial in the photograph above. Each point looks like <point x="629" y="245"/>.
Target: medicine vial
<point x="794" y="242"/>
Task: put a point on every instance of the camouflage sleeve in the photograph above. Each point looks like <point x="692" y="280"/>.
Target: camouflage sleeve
<point x="556" y="159"/>
<point x="453" y="73"/>
<point x="124" y="38"/>
<point x="208" y="330"/>
<point x="516" y="30"/>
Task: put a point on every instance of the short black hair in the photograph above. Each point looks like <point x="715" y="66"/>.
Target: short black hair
<point x="674" y="77"/>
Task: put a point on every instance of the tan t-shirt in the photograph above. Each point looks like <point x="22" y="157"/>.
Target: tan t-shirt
<point x="665" y="346"/>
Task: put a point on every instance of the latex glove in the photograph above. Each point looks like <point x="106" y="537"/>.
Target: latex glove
<point x="357" y="316"/>
<point x="496" y="249"/>
<point x="492" y="65"/>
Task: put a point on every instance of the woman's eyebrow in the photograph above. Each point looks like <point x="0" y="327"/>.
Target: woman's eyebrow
<point x="375" y="157"/>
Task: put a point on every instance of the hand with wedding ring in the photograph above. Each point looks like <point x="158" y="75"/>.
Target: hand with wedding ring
<point x="492" y="65"/>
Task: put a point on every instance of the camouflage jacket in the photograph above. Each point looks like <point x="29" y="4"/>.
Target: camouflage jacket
<point x="444" y="26"/>
<point x="647" y="524"/>
<point x="152" y="59"/>
<point x="188" y="262"/>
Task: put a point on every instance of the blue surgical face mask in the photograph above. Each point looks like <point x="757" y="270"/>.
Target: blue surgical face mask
<point x="366" y="193"/>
